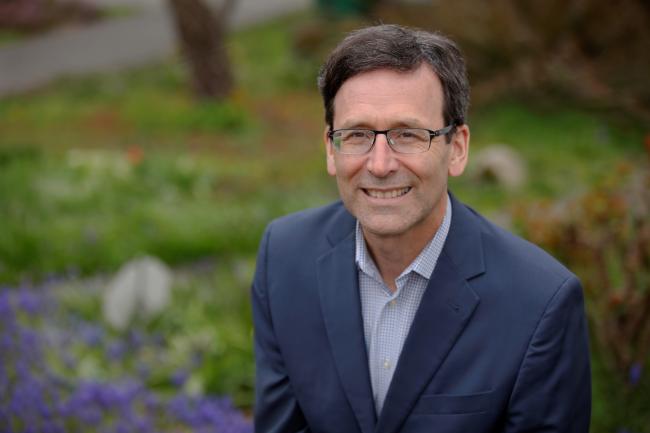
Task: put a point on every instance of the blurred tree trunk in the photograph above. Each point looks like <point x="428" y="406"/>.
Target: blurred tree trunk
<point x="201" y="30"/>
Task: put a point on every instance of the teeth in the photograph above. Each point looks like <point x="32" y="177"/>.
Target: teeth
<point x="387" y="194"/>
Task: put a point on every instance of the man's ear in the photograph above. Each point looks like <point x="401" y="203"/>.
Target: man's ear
<point x="331" y="166"/>
<point x="459" y="151"/>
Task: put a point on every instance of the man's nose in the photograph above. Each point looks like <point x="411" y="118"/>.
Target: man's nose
<point x="381" y="159"/>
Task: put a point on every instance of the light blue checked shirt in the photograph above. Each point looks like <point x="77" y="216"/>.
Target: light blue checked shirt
<point x="387" y="316"/>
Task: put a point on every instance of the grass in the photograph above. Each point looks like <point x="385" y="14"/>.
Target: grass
<point x="9" y="36"/>
<point x="94" y="172"/>
<point x="92" y="209"/>
<point x="565" y="149"/>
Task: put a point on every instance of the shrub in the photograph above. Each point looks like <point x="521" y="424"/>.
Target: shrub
<point x="604" y="236"/>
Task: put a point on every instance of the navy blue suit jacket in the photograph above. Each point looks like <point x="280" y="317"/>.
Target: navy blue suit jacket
<point x="498" y="344"/>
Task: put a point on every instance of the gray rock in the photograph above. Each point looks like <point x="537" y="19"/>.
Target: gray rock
<point x="141" y="289"/>
<point x="501" y="164"/>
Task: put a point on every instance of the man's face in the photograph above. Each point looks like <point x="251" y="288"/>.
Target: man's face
<point x="392" y="194"/>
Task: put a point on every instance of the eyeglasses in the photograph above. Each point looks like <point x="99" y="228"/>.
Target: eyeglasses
<point x="401" y="140"/>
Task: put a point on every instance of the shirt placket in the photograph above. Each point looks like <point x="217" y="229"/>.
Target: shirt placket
<point x="386" y="352"/>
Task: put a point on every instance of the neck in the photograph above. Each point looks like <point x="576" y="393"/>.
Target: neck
<point x="393" y="254"/>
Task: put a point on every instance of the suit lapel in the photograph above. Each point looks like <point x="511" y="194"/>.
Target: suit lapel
<point x="445" y="310"/>
<point x="341" y="306"/>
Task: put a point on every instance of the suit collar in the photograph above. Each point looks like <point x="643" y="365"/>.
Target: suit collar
<point x="464" y="244"/>
<point x="341" y="226"/>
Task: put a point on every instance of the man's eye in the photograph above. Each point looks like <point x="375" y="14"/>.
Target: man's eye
<point x="405" y="134"/>
<point x="354" y="135"/>
<point x="410" y="135"/>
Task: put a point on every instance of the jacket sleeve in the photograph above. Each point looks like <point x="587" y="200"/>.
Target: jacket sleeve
<point x="276" y="407"/>
<point x="552" y="392"/>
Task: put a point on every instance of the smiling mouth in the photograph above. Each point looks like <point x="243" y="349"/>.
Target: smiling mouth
<point x="390" y="193"/>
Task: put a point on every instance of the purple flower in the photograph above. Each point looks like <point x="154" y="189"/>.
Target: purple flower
<point x="29" y="301"/>
<point x="152" y="402"/>
<point x="143" y="369"/>
<point x="6" y="310"/>
<point x="634" y="376"/>
<point x="92" y="334"/>
<point x="179" y="377"/>
<point x="34" y="394"/>
<point x="135" y="339"/>
<point x="181" y="408"/>
<point x="6" y="343"/>
<point x="52" y="279"/>
<point x="69" y="361"/>
<point x="52" y="427"/>
<point x="116" y="350"/>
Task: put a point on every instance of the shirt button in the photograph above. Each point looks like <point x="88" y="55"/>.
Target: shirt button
<point x="386" y="363"/>
<point x="393" y="302"/>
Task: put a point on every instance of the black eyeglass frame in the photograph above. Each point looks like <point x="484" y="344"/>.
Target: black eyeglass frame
<point x="432" y="134"/>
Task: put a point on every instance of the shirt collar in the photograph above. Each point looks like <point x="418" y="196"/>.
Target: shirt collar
<point x="424" y="263"/>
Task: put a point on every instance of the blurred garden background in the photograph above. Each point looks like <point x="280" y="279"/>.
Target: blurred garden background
<point x="138" y="169"/>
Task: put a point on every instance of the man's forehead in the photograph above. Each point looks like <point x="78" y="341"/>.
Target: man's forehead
<point x="422" y="68"/>
<point x="396" y="121"/>
<point x="404" y="95"/>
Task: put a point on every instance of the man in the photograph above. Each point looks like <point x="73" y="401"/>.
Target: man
<point x="401" y="309"/>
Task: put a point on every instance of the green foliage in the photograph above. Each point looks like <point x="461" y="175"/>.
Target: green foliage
<point x="210" y="318"/>
<point x="272" y="66"/>
<point x="8" y="37"/>
<point x="147" y="103"/>
<point x="617" y="406"/>
<point x="202" y="342"/>
<point x="154" y="114"/>
<point x="94" y="209"/>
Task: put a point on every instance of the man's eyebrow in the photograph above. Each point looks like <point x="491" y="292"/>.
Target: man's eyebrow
<point x="406" y="122"/>
<point x="355" y="123"/>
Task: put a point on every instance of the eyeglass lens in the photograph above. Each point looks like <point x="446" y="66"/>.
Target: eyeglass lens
<point x="405" y="140"/>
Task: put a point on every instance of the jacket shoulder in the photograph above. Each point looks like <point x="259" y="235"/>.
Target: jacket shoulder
<point x="310" y="227"/>
<point x="520" y="257"/>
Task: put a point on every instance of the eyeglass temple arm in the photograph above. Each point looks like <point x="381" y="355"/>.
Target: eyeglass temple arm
<point x="444" y="131"/>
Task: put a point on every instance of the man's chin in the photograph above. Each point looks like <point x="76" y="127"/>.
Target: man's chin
<point x="383" y="227"/>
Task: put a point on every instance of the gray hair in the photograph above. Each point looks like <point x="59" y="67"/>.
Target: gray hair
<point x="402" y="49"/>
